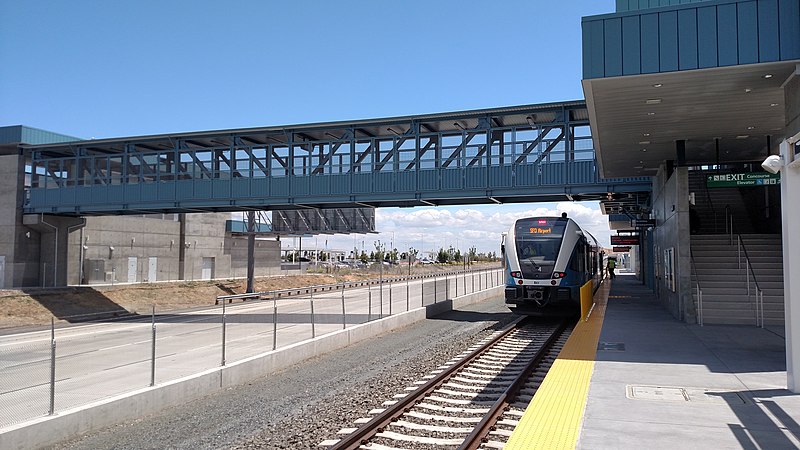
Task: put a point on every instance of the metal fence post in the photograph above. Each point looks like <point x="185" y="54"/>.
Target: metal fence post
<point x="408" y="295"/>
<point x="153" y="350"/>
<point x="480" y="282"/>
<point x="435" y="289"/>
<point x="274" y="321"/>
<point x="390" y="298"/>
<point x="422" y="291"/>
<point x="224" y="326"/>
<point x="369" y="302"/>
<point x="380" y="296"/>
<point x="52" y="367"/>
<point x="456" y="277"/>
<point x="344" y="315"/>
<point x="313" y="329"/>
<point x="446" y="287"/>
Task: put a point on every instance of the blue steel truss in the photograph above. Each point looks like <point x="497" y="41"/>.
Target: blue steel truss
<point x="515" y="154"/>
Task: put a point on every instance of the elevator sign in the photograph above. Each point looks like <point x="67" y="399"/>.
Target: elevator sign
<point x="742" y="179"/>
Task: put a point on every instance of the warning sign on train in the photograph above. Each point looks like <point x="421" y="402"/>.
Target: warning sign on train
<point x="742" y="179"/>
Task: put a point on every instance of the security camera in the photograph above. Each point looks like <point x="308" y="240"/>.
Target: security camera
<point x="772" y="164"/>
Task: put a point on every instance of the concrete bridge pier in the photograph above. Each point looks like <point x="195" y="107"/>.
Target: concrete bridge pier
<point x="53" y="233"/>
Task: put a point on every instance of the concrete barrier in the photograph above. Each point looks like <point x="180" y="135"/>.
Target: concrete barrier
<point x="50" y="429"/>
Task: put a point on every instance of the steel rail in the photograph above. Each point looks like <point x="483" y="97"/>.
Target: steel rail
<point x="380" y="421"/>
<point x="481" y="431"/>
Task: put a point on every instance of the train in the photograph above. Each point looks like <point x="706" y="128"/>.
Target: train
<point x="547" y="261"/>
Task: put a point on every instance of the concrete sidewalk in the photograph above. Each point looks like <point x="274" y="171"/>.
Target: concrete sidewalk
<point x="661" y="383"/>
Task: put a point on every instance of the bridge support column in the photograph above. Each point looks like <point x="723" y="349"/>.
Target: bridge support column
<point x="251" y="248"/>
<point x="53" y="233"/>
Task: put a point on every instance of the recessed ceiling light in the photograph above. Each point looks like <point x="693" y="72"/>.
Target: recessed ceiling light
<point x="651" y="114"/>
<point x="747" y="90"/>
<point x="644" y="142"/>
<point x="644" y="149"/>
<point x="646" y="134"/>
<point x="742" y="136"/>
<point x="751" y="128"/>
<point x="772" y="105"/>
<point x="652" y="101"/>
<point x="768" y="76"/>
<point x="638" y="167"/>
<point x="657" y="85"/>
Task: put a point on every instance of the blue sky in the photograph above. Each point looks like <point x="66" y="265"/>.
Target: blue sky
<point x="97" y="69"/>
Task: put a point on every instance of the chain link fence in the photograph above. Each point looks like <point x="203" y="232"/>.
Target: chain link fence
<point x="47" y="373"/>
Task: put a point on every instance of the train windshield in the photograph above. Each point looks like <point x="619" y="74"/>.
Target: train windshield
<point x="538" y="241"/>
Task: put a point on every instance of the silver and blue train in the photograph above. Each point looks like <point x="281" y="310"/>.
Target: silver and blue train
<point x="548" y="260"/>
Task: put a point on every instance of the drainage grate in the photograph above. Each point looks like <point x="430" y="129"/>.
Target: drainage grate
<point x="611" y="346"/>
<point x="679" y="394"/>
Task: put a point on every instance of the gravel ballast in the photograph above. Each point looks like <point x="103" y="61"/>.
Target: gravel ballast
<point x="309" y="402"/>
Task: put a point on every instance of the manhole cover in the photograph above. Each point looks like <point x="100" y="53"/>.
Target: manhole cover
<point x="611" y="346"/>
<point x="679" y="394"/>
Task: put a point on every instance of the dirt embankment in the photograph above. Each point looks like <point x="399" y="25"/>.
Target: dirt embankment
<point x="37" y="306"/>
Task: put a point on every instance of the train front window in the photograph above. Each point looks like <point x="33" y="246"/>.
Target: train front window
<point x="538" y="241"/>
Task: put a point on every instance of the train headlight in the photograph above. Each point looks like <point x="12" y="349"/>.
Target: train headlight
<point x="559" y="275"/>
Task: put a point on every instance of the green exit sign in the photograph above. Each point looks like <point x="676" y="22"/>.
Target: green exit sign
<point x="743" y="179"/>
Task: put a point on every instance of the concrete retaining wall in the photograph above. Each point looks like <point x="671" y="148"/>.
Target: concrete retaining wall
<point x="51" y="429"/>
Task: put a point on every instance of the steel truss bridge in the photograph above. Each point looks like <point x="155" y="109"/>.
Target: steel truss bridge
<point x="526" y="153"/>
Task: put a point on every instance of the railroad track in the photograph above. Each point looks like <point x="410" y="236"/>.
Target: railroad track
<point x="471" y="402"/>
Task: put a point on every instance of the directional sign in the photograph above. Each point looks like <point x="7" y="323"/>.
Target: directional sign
<point x="625" y="240"/>
<point x="644" y="223"/>
<point x="743" y="179"/>
<point x="620" y="249"/>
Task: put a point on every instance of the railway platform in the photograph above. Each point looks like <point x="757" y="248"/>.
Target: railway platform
<point x="657" y="382"/>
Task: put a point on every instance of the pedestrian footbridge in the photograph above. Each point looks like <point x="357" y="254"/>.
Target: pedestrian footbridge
<point x="516" y="154"/>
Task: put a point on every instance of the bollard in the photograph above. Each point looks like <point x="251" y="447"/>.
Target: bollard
<point x="153" y="350"/>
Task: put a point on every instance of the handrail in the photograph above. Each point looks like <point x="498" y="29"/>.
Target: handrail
<point x="699" y="290"/>
<point x="759" y="292"/>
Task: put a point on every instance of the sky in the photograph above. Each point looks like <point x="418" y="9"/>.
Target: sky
<point x="96" y="69"/>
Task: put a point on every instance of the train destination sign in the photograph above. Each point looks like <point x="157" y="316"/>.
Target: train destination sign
<point x="621" y="249"/>
<point x="625" y="240"/>
<point x="743" y="179"/>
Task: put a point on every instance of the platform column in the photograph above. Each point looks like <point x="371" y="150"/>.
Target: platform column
<point x="790" y="198"/>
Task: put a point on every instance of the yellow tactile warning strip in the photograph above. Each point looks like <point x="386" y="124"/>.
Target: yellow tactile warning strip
<point x="554" y="416"/>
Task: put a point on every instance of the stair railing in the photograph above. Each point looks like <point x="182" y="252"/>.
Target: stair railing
<point x="759" y="293"/>
<point x="697" y="290"/>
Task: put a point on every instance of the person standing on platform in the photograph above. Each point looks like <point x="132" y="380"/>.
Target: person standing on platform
<point x="611" y="265"/>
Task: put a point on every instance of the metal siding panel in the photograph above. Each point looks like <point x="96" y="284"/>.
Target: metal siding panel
<point x="116" y="193"/>
<point x="300" y="185"/>
<point x="340" y="184"/>
<point x="789" y="14"/>
<point x="38" y="198"/>
<point x="221" y="189"/>
<point x="612" y="36"/>
<point x="622" y="5"/>
<point x="406" y="181"/>
<point x="631" y="46"/>
<point x="384" y="182"/>
<point x="500" y="177"/>
<point x="279" y="187"/>
<point x="53" y="197"/>
<point x="526" y="175"/>
<point x="747" y="28"/>
<point x="184" y="190"/>
<point x="668" y="41"/>
<point x="596" y="49"/>
<point x="362" y="183"/>
<point x="586" y="53"/>
<point x="321" y="184"/>
<point x="202" y="189"/>
<point x="649" y="39"/>
<point x="149" y="192"/>
<point x="166" y="191"/>
<point x="768" y="43"/>
<point x="553" y="173"/>
<point x="707" y="37"/>
<point x="240" y="188"/>
<point x="428" y="180"/>
<point x="687" y="39"/>
<point x="259" y="187"/>
<point x="727" y="44"/>
<point x="451" y="179"/>
<point x="475" y="177"/>
<point x="133" y="193"/>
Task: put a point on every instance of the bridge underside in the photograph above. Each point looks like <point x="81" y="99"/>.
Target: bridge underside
<point x="534" y="153"/>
